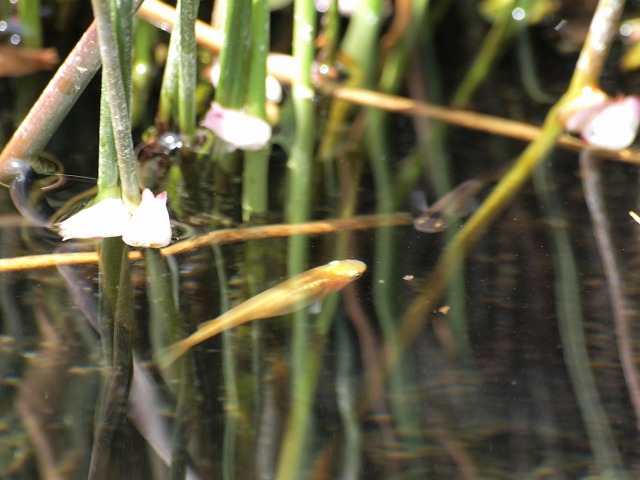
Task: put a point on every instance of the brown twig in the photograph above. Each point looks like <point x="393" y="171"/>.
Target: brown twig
<point x="218" y="237"/>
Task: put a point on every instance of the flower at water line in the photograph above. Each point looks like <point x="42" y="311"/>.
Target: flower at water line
<point x="602" y="121"/>
<point x="237" y="128"/>
<point x="150" y="225"/>
<point x="107" y="218"/>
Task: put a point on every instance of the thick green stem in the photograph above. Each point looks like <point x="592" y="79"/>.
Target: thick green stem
<point x="235" y="56"/>
<point x="299" y="166"/>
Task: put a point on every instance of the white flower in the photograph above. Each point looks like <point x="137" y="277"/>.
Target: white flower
<point x="602" y="121"/>
<point x="237" y="128"/>
<point x="107" y="218"/>
<point x="150" y="225"/>
<point x="615" y="126"/>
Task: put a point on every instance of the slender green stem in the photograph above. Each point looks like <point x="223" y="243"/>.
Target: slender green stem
<point x="169" y="88"/>
<point x="187" y="15"/>
<point x="113" y="409"/>
<point x="108" y="178"/>
<point x="256" y="165"/>
<point x="118" y="101"/>
<point x="146" y="35"/>
<point x="500" y="32"/>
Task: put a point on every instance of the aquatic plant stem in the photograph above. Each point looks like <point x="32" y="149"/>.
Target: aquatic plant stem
<point x="187" y="75"/>
<point x="295" y="439"/>
<point x="113" y="405"/>
<point x="501" y="31"/>
<point x="593" y="192"/>
<point x="574" y="342"/>
<point x="169" y="86"/>
<point x="234" y="57"/>
<point x="256" y="164"/>
<point x="118" y="97"/>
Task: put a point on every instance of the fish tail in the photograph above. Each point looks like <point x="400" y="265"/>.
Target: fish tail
<point x="165" y="357"/>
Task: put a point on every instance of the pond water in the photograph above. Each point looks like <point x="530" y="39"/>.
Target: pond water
<point x="511" y="354"/>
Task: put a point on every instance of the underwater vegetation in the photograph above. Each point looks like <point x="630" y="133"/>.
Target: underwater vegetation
<point x="319" y="240"/>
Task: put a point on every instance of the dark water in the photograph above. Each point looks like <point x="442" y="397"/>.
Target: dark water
<point x="516" y="373"/>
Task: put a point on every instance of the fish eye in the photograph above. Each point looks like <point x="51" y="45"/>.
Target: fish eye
<point x="356" y="275"/>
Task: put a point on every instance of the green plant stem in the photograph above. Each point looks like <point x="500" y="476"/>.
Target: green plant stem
<point x="230" y="374"/>
<point x="234" y="57"/>
<point x="494" y="43"/>
<point x="146" y="35"/>
<point x="169" y="87"/>
<point x="298" y="204"/>
<point x="113" y="408"/>
<point x="108" y="178"/>
<point x="187" y="15"/>
<point x="118" y="101"/>
<point x="256" y="164"/>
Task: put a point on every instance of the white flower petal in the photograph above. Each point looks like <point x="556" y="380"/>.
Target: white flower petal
<point x="615" y="126"/>
<point x="237" y="128"/>
<point x="150" y="225"/>
<point x="107" y="218"/>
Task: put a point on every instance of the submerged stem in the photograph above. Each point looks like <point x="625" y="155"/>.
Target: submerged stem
<point x="593" y="192"/>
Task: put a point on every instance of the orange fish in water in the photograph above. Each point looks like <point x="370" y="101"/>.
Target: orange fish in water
<point x="286" y="297"/>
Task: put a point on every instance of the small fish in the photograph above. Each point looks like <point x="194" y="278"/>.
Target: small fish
<point x="449" y="208"/>
<point x="286" y="297"/>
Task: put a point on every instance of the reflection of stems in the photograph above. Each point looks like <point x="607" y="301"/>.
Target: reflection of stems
<point x="574" y="343"/>
<point x="113" y="408"/>
<point x="592" y="185"/>
<point x="591" y="59"/>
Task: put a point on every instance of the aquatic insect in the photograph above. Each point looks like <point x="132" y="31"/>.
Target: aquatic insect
<point x="286" y="297"/>
<point x="449" y="208"/>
